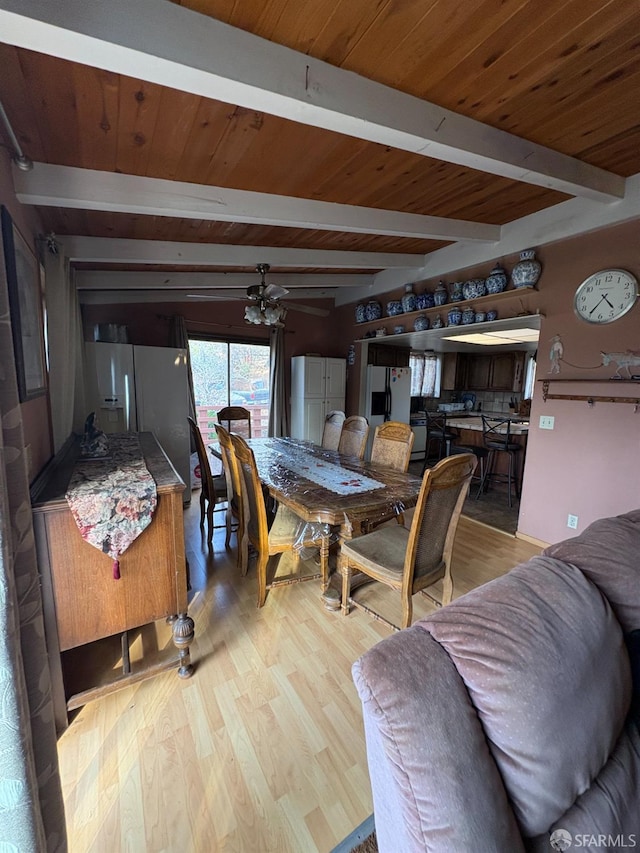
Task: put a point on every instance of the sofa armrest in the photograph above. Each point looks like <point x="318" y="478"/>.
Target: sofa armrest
<point x="435" y="784"/>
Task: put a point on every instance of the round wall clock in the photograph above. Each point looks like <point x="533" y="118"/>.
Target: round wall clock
<point x="605" y="296"/>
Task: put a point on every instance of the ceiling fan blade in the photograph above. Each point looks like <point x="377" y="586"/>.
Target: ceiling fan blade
<point x="305" y="309"/>
<point x="275" y="291"/>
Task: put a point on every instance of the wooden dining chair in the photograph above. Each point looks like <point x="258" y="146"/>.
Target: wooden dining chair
<point x="213" y="489"/>
<point x="233" y="518"/>
<point x="236" y="419"/>
<point x="353" y="438"/>
<point x="282" y="536"/>
<point x="392" y="445"/>
<point x="412" y="560"/>
<point x="332" y="430"/>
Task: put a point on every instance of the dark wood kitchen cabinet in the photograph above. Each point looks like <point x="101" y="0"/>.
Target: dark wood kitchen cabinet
<point x="382" y="355"/>
<point x="497" y="372"/>
<point x="454" y="371"/>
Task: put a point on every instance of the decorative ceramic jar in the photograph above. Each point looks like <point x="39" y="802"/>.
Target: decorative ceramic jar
<point x="351" y="354"/>
<point x="527" y="271"/>
<point x="421" y="323"/>
<point x="394" y="308"/>
<point x="456" y="292"/>
<point x="361" y="312"/>
<point x="468" y="316"/>
<point x="474" y="288"/>
<point x="436" y="323"/>
<point x="480" y="317"/>
<point x="398" y="330"/>
<point x="373" y="310"/>
<point x="441" y="296"/>
<point x="497" y="280"/>
<point x="409" y="301"/>
<point x="491" y="315"/>
<point x="425" y="300"/>
<point x="381" y="333"/>
<point x="454" y="317"/>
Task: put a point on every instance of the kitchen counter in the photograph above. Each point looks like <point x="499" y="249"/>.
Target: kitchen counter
<point x="518" y="427"/>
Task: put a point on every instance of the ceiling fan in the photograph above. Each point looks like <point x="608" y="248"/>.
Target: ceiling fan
<point x="267" y="308"/>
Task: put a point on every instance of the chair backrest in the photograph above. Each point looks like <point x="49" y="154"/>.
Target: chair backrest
<point x="353" y="438"/>
<point x="392" y="445"/>
<point x="495" y="431"/>
<point x="239" y="417"/>
<point x="332" y="430"/>
<point x="206" y="478"/>
<point x="253" y="507"/>
<point x="230" y="465"/>
<point x="442" y="495"/>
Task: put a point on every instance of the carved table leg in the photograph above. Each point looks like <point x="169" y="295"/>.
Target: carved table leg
<point x="183" y="633"/>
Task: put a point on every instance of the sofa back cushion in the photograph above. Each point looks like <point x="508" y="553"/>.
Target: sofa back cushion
<point x="608" y="553"/>
<point x="543" y="659"/>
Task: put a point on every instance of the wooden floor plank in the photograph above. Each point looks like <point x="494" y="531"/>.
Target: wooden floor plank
<point x="263" y="748"/>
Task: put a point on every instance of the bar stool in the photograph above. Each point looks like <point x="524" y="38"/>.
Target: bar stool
<point x="496" y="435"/>
<point x="479" y="451"/>
<point x="441" y="434"/>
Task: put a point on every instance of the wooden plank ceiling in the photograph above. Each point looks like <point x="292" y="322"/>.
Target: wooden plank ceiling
<point x="561" y="73"/>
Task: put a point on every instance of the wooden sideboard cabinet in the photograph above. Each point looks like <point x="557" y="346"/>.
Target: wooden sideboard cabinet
<point x="92" y="620"/>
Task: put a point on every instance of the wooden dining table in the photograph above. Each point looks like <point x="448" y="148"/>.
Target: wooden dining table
<point x="324" y="486"/>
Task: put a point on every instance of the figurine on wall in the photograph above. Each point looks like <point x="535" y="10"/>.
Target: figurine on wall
<point x="555" y="354"/>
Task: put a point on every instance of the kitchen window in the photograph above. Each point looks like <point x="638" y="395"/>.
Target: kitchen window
<point x="426" y="369"/>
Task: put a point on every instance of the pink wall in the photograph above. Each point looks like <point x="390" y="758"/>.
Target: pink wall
<point x="35" y="413"/>
<point x="589" y="464"/>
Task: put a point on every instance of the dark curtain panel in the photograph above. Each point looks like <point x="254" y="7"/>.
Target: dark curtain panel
<point x="278" y="420"/>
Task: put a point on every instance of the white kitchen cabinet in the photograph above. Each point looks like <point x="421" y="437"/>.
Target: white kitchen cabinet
<point x="317" y="388"/>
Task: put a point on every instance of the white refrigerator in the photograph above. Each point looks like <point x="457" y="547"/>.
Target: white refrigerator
<point x="387" y="397"/>
<point x="143" y="389"/>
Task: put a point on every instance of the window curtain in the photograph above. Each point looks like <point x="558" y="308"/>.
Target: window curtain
<point x="66" y="350"/>
<point x="31" y="805"/>
<point x="179" y="338"/>
<point x="278" y="418"/>
<point x="424" y="374"/>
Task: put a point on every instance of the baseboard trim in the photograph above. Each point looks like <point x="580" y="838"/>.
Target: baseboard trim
<point x="488" y="526"/>
<point x="526" y="538"/>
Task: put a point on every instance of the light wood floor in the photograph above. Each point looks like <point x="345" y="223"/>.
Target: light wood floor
<point x="263" y="748"/>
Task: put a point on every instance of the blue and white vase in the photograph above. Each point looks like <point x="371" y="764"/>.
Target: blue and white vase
<point x="456" y="292"/>
<point x="425" y="300"/>
<point x="373" y="310"/>
<point x="454" y="317"/>
<point x="436" y="323"/>
<point x="409" y="301"/>
<point x="527" y="271"/>
<point x="474" y="288"/>
<point x="421" y="323"/>
<point x="441" y="296"/>
<point x="497" y="280"/>
<point x="480" y="317"/>
<point x="492" y="314"/>
<point x="351" y="354"/>
<point x="394" y="308"/>
<point x="361" y="313"/>
<point x="468" y="316"/>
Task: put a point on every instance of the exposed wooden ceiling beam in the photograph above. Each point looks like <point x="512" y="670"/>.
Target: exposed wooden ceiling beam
<point x="118" y="251"/>
<point x="314" y="285"/>
<point x="172" y="46"/>
<point x="87" y="189"/>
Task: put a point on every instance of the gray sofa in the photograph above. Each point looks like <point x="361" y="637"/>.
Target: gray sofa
<point x="507" y="715"/>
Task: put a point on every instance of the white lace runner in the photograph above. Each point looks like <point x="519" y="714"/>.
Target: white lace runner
<point x="335" y="478"/>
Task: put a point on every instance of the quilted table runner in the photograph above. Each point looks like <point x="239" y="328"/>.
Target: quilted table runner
<point x="113" y="498"/>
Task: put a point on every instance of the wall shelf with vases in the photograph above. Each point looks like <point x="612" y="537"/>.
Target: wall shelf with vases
<point x="484" y="302"/>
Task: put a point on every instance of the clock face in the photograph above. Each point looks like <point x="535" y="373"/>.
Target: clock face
<point x="605" y="296"/>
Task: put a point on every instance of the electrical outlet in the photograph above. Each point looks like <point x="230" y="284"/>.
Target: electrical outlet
<point x="547" y="421"/>
<point x="572" y="522"/>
